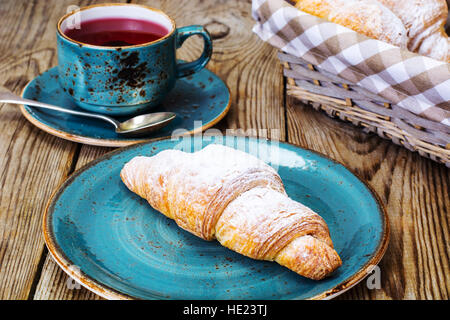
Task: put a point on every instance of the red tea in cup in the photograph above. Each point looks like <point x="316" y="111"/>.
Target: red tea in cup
<point x="114" y="32"/>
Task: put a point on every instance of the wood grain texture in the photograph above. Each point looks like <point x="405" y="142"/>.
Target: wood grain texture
<point x="54" y="283"/>
<point x="32" y="163"/>
<point x="414" y="190"/>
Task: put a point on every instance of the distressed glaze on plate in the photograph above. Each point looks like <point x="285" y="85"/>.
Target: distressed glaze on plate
<point x="199" y="101"/>
<point x="126" y="249"/>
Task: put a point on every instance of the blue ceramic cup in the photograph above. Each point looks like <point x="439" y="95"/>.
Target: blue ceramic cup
<point x="124" y="80"/>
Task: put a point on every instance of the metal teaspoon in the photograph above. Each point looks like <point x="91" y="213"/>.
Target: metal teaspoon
<point x="135" y="126"/>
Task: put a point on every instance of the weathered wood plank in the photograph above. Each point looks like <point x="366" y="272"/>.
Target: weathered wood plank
<point x="414" y="190"/>
<point x="54" y="283"/>
<point x="32" y="163"/>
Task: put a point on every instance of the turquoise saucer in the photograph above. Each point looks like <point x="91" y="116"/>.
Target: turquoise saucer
<point x="115" y="244"/>
<point x="199" y="101"/>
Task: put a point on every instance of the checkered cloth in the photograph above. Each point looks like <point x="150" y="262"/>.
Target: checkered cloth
<point x="411" y="81"/>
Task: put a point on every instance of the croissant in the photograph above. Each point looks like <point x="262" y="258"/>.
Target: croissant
<point x="416" y="25"/>
<point x="226" y="194"/>
<point x="424" y="21"/>
<point x="437" y="46"/>
<point x="367" y="17"/>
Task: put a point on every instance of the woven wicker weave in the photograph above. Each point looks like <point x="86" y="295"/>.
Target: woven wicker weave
<point x="350" y="102"/>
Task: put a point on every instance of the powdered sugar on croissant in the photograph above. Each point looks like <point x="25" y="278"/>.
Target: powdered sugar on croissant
<point x="424" y="21"/>
<point x="368" y="17"/>
<point x="193" y="188"/>
<point x="416" y="25"/>
<point x="436" y="46"/>
<point x="225" y="194"/>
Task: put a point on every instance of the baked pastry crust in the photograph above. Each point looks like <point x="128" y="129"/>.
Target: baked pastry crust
<point x="368" y="17"/>
<point x="424" y="21"/>
<point x="225" y="194"/>
<point x="416" y="25"/>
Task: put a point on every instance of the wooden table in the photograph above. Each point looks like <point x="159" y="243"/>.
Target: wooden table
<point x="33" y="163"/>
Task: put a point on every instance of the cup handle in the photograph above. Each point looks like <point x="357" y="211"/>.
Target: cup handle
<point x="188" y="68"/>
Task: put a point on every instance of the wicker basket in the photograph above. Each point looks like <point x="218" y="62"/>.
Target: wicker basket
<point x="350" y="102"/>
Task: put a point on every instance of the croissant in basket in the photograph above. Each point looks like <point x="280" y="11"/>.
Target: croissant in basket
<point x="225" y="194"/>
<point x="416" y="25"/>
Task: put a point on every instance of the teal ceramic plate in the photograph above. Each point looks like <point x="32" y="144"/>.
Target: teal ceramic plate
<point x="115" y="244"/>
<point x="199" y="101"/>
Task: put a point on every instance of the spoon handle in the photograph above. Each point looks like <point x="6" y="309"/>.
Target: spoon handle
<point x="9" y="97"/>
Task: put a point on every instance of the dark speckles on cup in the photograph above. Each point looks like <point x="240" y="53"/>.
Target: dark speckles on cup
<point x="131" y="60"/>
<point x="132" y="73"/>
<point x="130" y="79"/>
